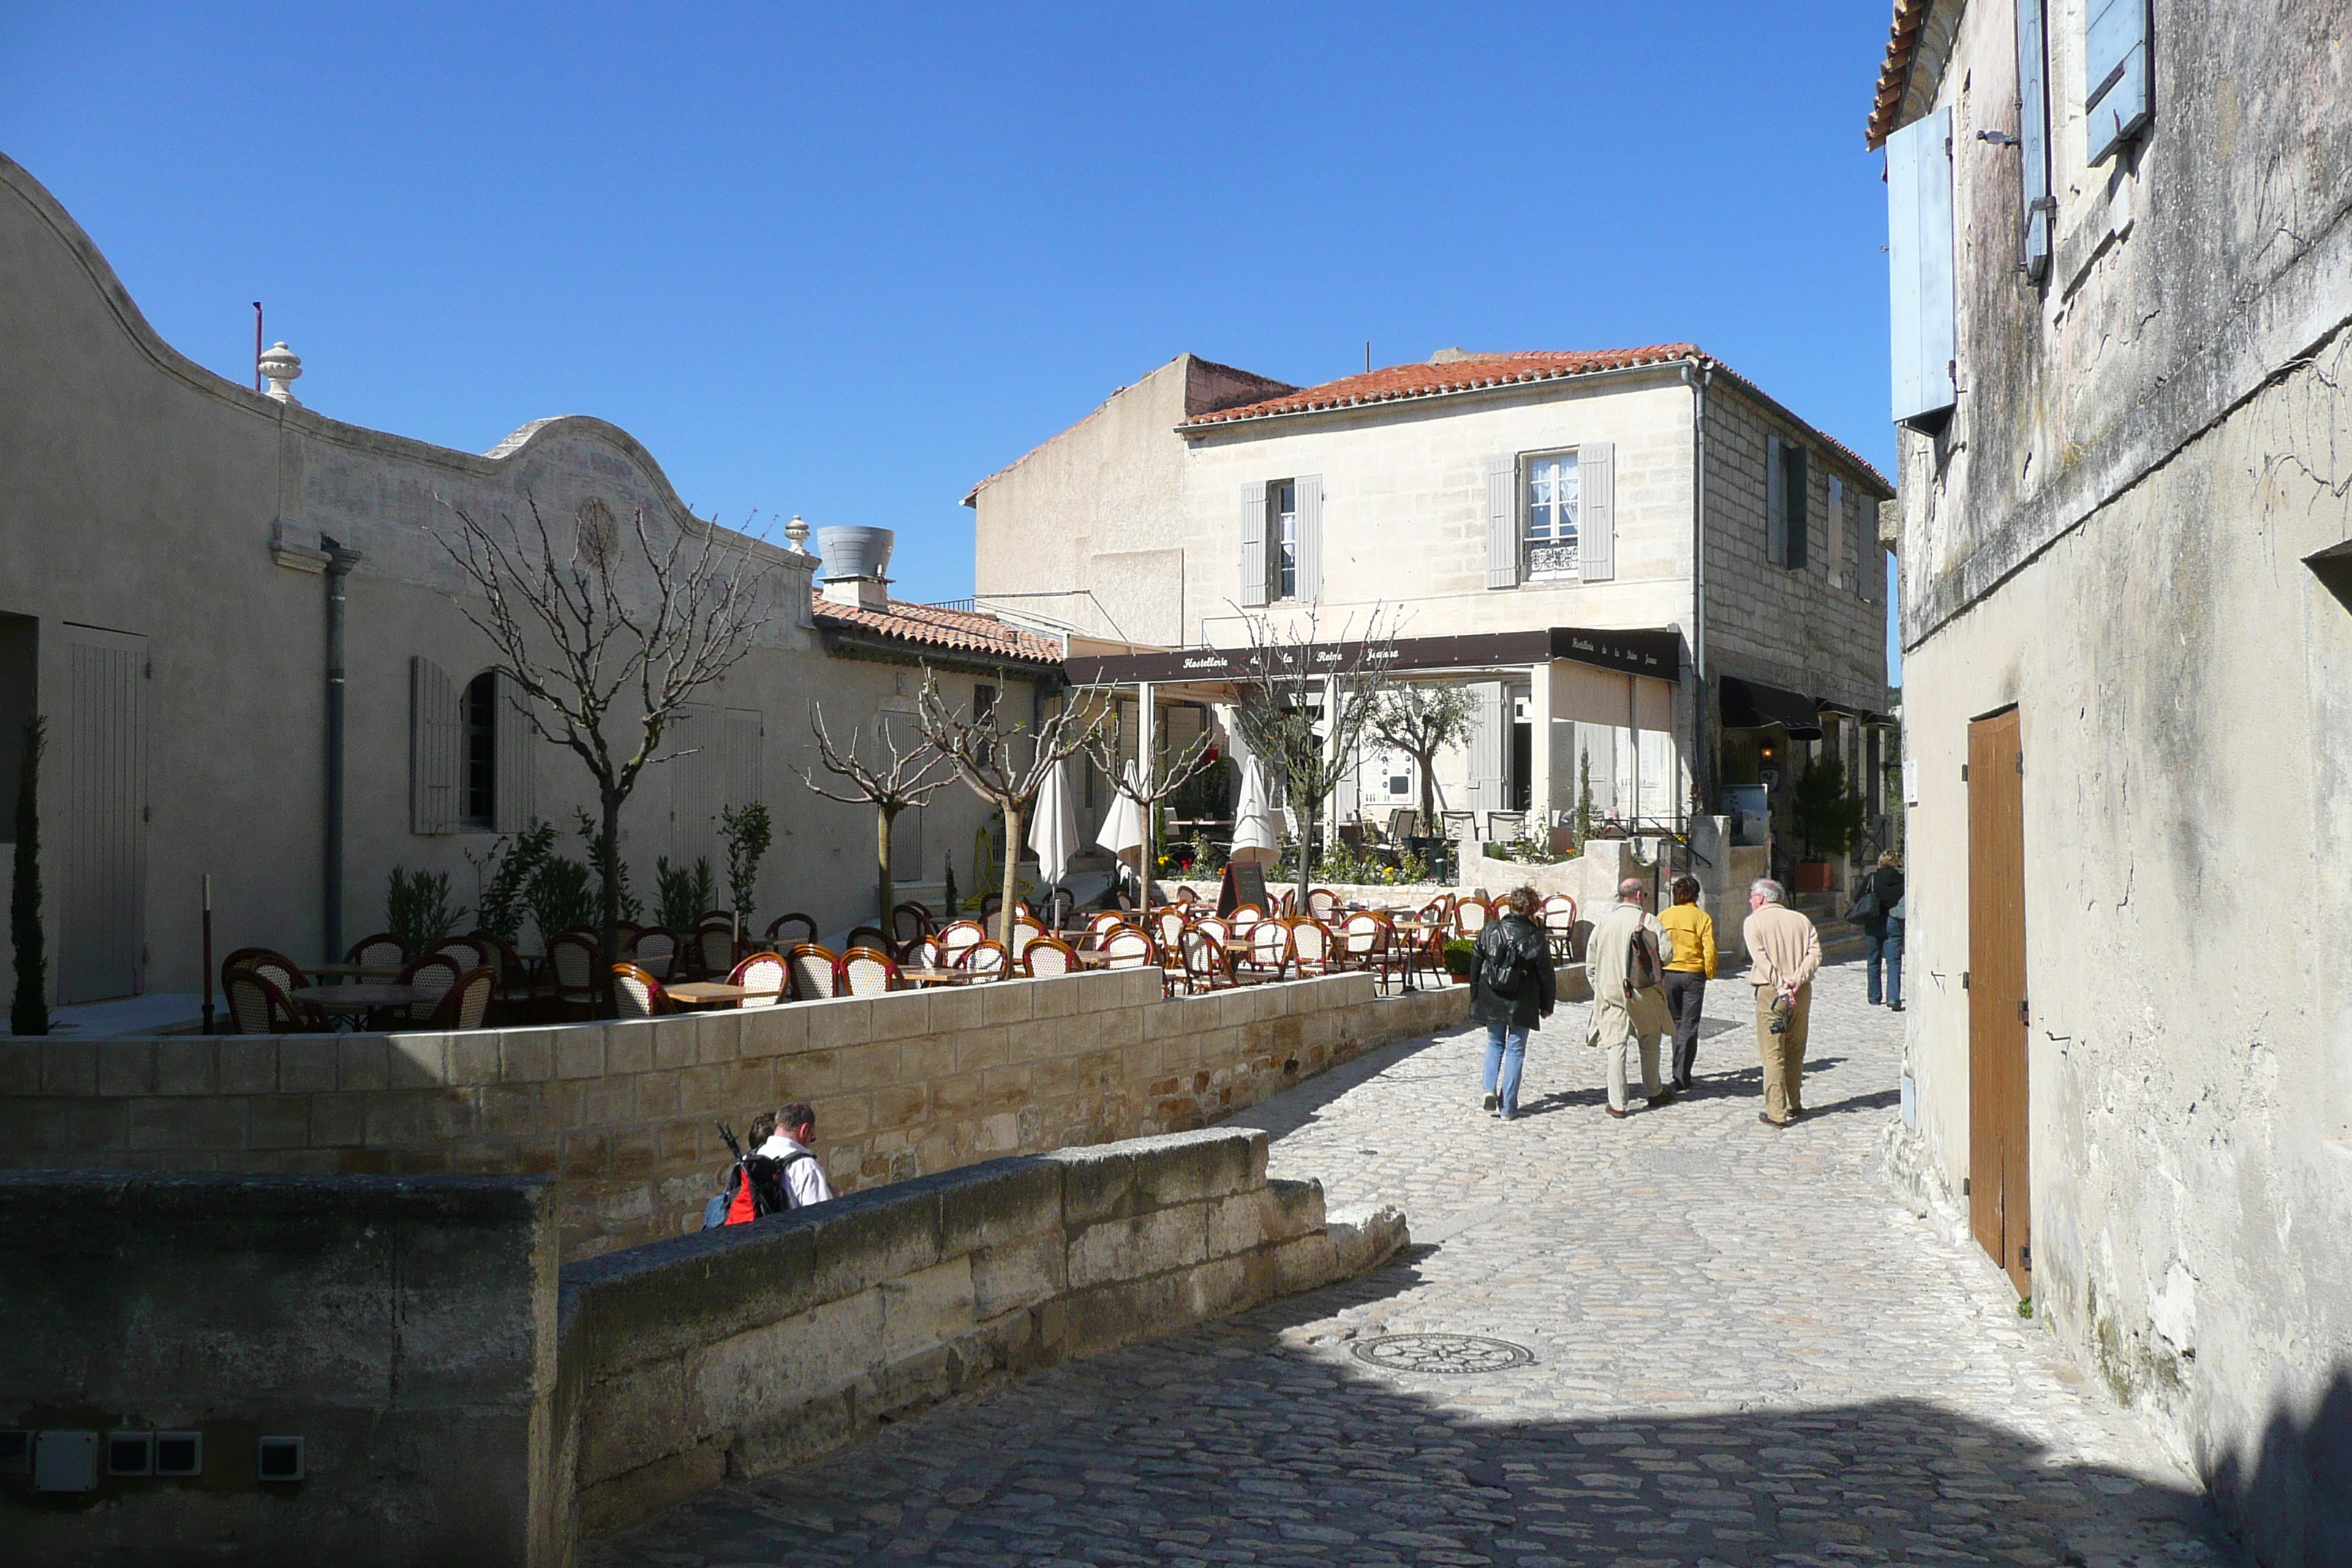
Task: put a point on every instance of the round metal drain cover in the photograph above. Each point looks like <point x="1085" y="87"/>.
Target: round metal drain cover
<point x="1442" y="1354"/>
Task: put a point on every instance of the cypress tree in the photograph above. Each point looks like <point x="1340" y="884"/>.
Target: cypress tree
<point x="30" y="1013"/>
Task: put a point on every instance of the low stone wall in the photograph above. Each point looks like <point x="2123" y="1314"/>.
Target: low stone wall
<point x="747" y="1350"/>
<point x="404" y="1331"/>
<point x="621" y="1114"/>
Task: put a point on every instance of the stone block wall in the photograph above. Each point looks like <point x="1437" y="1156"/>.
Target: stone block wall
<point x="747" y="1350"/>
<point x="621" y="1114"/>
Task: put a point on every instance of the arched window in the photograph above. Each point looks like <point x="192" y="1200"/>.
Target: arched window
<point x="480" y="717"/>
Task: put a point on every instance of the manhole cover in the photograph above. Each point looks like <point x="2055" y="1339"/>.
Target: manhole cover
<point x="1442" y="1354"/>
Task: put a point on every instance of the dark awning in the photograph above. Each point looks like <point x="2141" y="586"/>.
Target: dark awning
<point x="1752" y="705"/>
<point x="1655" y="653"/>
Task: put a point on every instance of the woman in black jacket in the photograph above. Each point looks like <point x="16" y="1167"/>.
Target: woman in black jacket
<point x="1511" y="986"/>
<point x="1883" y="891"/>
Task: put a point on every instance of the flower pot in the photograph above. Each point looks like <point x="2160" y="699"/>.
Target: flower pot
<point x="1812" y="876"/>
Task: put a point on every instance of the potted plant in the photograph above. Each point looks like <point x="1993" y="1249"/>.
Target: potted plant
<point x="1827" y="820"/>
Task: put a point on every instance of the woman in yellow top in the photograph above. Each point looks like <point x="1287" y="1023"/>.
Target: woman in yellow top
<point x="1688" y="971"/>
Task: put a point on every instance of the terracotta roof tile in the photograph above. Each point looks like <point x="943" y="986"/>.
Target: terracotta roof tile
<point x="1894" y="72"/>
<point x="935" y="626"/>
<point x="1473" y="373"/>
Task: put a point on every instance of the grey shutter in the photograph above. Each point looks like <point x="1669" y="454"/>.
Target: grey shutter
<point x="1491" y="734"/>
<point x="1799" y="489"/>
<point x="1919" y="264"/>
<point x="515" y="779"/>
<point x="1254" y="542"/>
<point x="1503" y="521"/>
<point x="2033" y="131"/>
<point x="695" y="740"/>
<point x="746" y="756"/>
<point x="100" y="752"/>
<point x="1776" y="502"/>
<point x="1596" y="512"/>
<point x="1834" y="529"/>
<point x="435" y="738"/>
<point x="1309" y="496"/>
<point x="2115" y="76"/>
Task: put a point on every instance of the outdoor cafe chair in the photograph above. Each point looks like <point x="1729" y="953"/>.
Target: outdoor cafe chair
<point x="909" y="923"/>
<point x="760" y="971"/>
<point x="657" y="953"/>
<point x="1099" y="927"/>
<point x="1049" y="955"/>
<point x="1439" y="911"/>
<point x="1310" y="946"/>
<point x="1322" y="903"/>
<point x="990" y="904"/>
<point x="1502" y="825"/>
<point x="381" y="950"/>
<point x="1558" y="913"/>
<point x="1167" y="925"/>
<point x="1129" y="949"/>
<point x="865" y="972"/>
<point x="258" y="1005"/>
<point x="1243" y="917"/>
<point x="1188" y="895"/>
<point x="985" y="960"/>
<point x="714" y="945"/>
<point x="786" y="930"/>
<point x="873" y="937"/>
<point x="1216" y="926"/>
<point x="1061" y="909"/>
<point x="435" y="974"/>
<point x="1205" y="968"/>
<point x="923" y="952"/>
<point x="1269" y="954"/>
<point x="1470" y="917"/>
<point x="1024" y="931"/>
<point x="467" y="1003"/>
<point x="275" y="967"/>
<point x="573" y="959"/>
<point x="1369" y="942"/>
<point x="638" y="994"/>
<point x="813" y="969"/>
<point x="1424" y="953"/>
<point x="958" y="938"/>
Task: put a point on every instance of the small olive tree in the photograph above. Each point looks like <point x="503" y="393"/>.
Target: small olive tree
<point x="1421" y="722"/>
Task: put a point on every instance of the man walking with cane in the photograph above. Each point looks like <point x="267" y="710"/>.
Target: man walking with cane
<point x="1784" y="954"/>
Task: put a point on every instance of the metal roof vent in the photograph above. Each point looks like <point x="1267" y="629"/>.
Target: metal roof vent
<point x="855" y="560"/>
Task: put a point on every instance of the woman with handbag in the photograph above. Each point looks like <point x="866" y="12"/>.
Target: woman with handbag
<point x="1878" y="909"/>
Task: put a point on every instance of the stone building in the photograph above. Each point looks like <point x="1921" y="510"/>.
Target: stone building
<point x="1481" y="494"/>
<point x="168" y="544"/>
<point x="2122" y="276"/>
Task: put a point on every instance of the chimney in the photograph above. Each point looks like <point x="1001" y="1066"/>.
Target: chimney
<point x="854" y="562"/>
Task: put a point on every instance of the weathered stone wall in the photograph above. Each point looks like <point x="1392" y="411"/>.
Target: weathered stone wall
<point x="748" y="1350"/>
<point x="406" y="1331"/>
<point x="621" y="1114"/>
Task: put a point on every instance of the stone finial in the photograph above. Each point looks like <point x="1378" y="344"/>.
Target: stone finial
<point x="283" y="366"/>
<point x="797" y="531"/>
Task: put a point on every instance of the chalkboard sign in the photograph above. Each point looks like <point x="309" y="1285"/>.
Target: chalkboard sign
<point x="1243" y="885"/>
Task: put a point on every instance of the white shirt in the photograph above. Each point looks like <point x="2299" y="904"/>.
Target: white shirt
<point x="805" y="1181"/>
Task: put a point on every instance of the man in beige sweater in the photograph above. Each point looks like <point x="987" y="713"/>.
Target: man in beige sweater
<point x="1784" y="954"/>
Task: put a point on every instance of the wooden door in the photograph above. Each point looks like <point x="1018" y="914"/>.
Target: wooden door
<point x="2000" y="1211"/>
<point x="102" y="869"/>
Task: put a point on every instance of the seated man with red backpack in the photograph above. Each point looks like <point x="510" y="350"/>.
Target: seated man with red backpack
<point x="780" y="1173"/>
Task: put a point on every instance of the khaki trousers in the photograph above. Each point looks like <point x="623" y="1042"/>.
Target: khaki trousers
<point x="1783" y="1054"/>
<point x="1617" y="1025"/>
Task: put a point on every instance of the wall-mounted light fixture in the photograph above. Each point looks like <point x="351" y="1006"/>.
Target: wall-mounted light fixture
<point x="2333" y="567"/>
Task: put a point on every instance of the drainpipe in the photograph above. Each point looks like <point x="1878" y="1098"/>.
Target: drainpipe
<point x="1696" y="376"/>
<point x="339" y="562"/>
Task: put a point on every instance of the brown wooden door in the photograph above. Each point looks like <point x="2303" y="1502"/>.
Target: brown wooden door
<point x="2000" y="1210"/>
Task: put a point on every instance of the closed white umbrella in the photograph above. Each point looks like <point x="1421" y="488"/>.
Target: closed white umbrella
<point x="1122" y="829"/>
<point x="1054" y="826"/>
<point x="1258" y="830"/>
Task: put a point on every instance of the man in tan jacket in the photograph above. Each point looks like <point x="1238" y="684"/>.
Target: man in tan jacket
<point x="1624" y="958"/>
<point x="1784" y="954"/>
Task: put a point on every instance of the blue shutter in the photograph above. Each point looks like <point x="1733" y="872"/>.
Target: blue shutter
<point x="1596" y="512"/>
<point x="1309" y="496"/>
<point x="2033" y="131"/>
<point x="1254" y="542"/>
<point x="2116" y="94"/>
<point x="1919" y="264"/>
<point x="1503" y="521"/>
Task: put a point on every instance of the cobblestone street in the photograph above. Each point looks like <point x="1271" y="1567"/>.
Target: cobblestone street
<point x="1742" y="1354"/>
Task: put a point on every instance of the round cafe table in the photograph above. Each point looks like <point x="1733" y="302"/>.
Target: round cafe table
<point x="362" y="998"/>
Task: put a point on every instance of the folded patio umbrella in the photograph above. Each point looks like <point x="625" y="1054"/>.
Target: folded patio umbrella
<point x="1122" y="829"/>
<point x="1053" y="825"/>
<point x="1258" y="829"/>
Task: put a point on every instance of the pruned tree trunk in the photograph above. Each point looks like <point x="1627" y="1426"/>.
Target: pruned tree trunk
<point x="1013" y="815"/>
<point x="886" y="818"/>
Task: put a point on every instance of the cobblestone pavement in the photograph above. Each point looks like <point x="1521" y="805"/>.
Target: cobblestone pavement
<point x="1742" y="1356"/>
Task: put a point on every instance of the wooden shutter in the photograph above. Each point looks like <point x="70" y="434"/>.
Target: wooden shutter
<point x="2115" y="76"/>
<point x="101" y="938"/>
<point x="1798" y="487"/>
<point x="1596" y="511"/>
<point x="2033" y="131"/>
<point x="1253" y="552"/>
<point x="515" y="797"/>
<point x="1309" y="496"/>
<point x="436" y="743"/>
<point x="1503" y="521"/>
<point x="1919" y="265"/>
<point x="1776" y="502"/>
<point x="1489" y="741"/>
<point x="1833" y="528"/>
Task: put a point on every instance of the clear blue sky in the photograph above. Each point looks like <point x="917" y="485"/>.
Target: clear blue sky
<point x="846" y="261"/>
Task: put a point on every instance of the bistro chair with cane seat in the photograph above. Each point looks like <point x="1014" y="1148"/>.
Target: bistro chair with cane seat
<point x="1217" y="926"/>
<point x="1099" y="927"/>
<point x="1188" y="895"/>
<point x="260" y="1005"/>
<point x="470" y="952"/>
<point x="1369" y="943"/>
<point x="1470" y="917"/>
<point x="1168" y="926"/>
<point x="1310" y="946"/>
<point x="1268" y="955"/>
<point x="990" y="904"/>
<point x="1127" y="949"/>
<point x="638" y="994"/>
<point x="1322" y="903"/>
<point x="658" y="954"/>
<point x="1424" y="953"/>
<point x="986" y="959"/>
<point x="909" y="923"/>
<point x="923" y="952"/>
<point x="1439" y="911"/>
<point x="275" y="967"/>
<point x="434" y="976"/>
<point x="1024" y="931"/>
<point x="957" y="938"/>
<point x="383" y="951"/>
<point x="812" y="970"/>
<point x="573" y="963"/>
<point x="1243" y="917"/>
<point x="714" y="945"/>
<point x="874" y="937"/>
<point x="1205" y="968"/>
<point x="865" y="972"/>
<point x="465" y="1003"/>
<point x="1049" y="955"/>
<point x="785" y="930"/>
<point x="1559" y="916"/>
<point x="762" y="972"/>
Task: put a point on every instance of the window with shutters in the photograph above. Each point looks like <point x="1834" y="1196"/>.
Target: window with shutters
<point x="481" y="764"/>
<point x="2116" y="100"/>
<point x="1550" y="513"/>
<point x="1282" y="539"/>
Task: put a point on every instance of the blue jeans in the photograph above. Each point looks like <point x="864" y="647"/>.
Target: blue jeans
<point x="1886" y="947"/>
<point x="1506" y="1054"/>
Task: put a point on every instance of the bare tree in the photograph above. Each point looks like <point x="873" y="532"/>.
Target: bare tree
<point x="1304" y="707"/>
<point x="1421" y="722"/>
<point x="1151" y="781"/>
<point x="607" y="644"/>
<point x="986" y="753"/>
<point x="908" y="778"/>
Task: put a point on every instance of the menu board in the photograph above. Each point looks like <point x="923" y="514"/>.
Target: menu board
<point x="1243" y="885"/>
